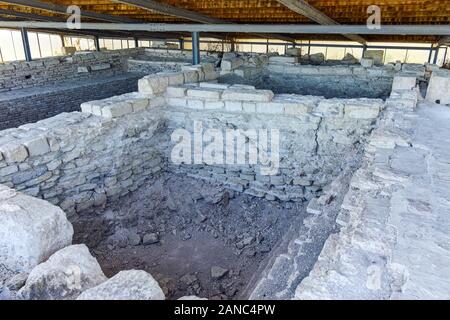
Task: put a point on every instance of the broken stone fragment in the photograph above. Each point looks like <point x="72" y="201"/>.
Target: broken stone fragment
<point x="31" y="230"/>
<point x="150" y="238"/>
<point x="64" y="275"/>
<point x="218" y="272"/>
<point x="17" y="282"/>
<point x="126" y="285"/>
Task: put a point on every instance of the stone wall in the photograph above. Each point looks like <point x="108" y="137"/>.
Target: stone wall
<point x="316" y="134"/>
<point x="18" y="107"/>
<point x="85" y="65"/>
<point x="79" y="160"/>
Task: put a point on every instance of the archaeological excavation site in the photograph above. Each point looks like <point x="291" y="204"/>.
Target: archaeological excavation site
<point x="212" y="150"/>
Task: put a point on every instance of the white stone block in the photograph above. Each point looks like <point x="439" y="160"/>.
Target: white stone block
<point x="205" y="93"/>
<point x="55" y="279"/>
<point x="283" y="59"/>
<point x="177" y="102"/>
<point x="249" y="107"/>
<point x="126" y="285"/>
<point x="404" y="81"/>
<point x="212" y="85"/>
<point x="117" y="109"/>
<point x="190" y="76"/>
<point x="174" y="78"/>
<point x="363" y="108"/>
<point x="100" y="66"/>
<point x="231" y="64"/>
<point x="233" y="106"/>
<point x="211" y="104"/>
<point x="153" y="84"/>
<point x="367" y="62"/>
<point x="333" y="108"/>
<point x="248" y="95"/>
<point x="157" y="101"/>
<point x="13" y="152"/>
<point x="37" y="146"/>
<point x="176" y="91"/>
<point x="195" y="104"/>
<point x="31" y="230"/>
<point x="439" y="87"/>
<point x="270" y="107"/>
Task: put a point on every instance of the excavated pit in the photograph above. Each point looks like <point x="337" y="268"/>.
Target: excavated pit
<point x="194" y="237"/>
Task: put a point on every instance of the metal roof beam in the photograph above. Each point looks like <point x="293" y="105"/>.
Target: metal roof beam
<point x="436" y="30"/>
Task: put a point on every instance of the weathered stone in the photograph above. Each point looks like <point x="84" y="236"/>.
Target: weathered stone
<point x="218" y="272"/>
<point x="247" y="95"/>
<point x="126" y="285"/>
<point x="65" y="275"/>
<point x="31" y="230"/>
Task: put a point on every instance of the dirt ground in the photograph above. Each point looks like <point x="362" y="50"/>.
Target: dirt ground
<point x="194" y="237"/>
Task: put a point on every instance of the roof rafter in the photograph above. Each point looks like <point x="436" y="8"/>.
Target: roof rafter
<point x="170" y="10"/>
<point x="305" y="9"/>
<point x="36" y="17"/>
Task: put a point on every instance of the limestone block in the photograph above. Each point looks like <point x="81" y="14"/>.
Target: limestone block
<point x="116" y="110"/>
<point x="176" y="91"/>
<point x="233" y="106"/>
<point x="363" y="108"/>
<point x="31" y="230"/>
<point x="65" y="275"/>
<point x="153" y="84"/>
<point x="294" y="52"/>
<point x="249" y="107"/>
<point x="190" y="76"/>
<point x="100" y="66"/>
<point x="331" y="108"/>
<point x="417" y="69"/>
<point x="367" y="62"/>
<point x="283" y="59"/>
<point x="205" y="93"/>
<point x="439" y="87"/>
<point x="248" y="95"/>
<point x="270" y="107"/>
<point x="13" y="152"/>
<point x="174" y="78"/>
<point x="83" y="70"/>
<point x="376" y="55"/>
<point x="177" y="102"/>
<point x="231" y="64"/>
<point x="37" y="146"/>
<point x="195" y="104"/>
<point x="295" y="104"/>
<point x="211" y="105"/>
<point x="243" y="86"/>
<point x="317" y="58"/>
<point x="404" y="81"/>
<point x="212" y="85"/>
<point x="126" y="285"/>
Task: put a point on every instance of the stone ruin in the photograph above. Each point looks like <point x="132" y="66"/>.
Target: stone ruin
<point x="336" y="124"/>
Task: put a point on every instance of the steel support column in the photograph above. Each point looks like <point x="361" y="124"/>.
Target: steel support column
<point x="436" y="55"/>
<point x="26" y="44"/>
<point x="181" y="44"/>
<point x="195" y="48"/>
<point x="97" y="43"/>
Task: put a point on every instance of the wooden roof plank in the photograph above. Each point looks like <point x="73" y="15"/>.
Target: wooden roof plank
<point x="304" y="8"/>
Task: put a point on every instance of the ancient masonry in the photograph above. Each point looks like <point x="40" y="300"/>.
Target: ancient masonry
<point x="74" y="161"/>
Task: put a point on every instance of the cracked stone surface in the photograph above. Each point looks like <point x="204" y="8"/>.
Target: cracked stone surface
<point x="394" y="240"/>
